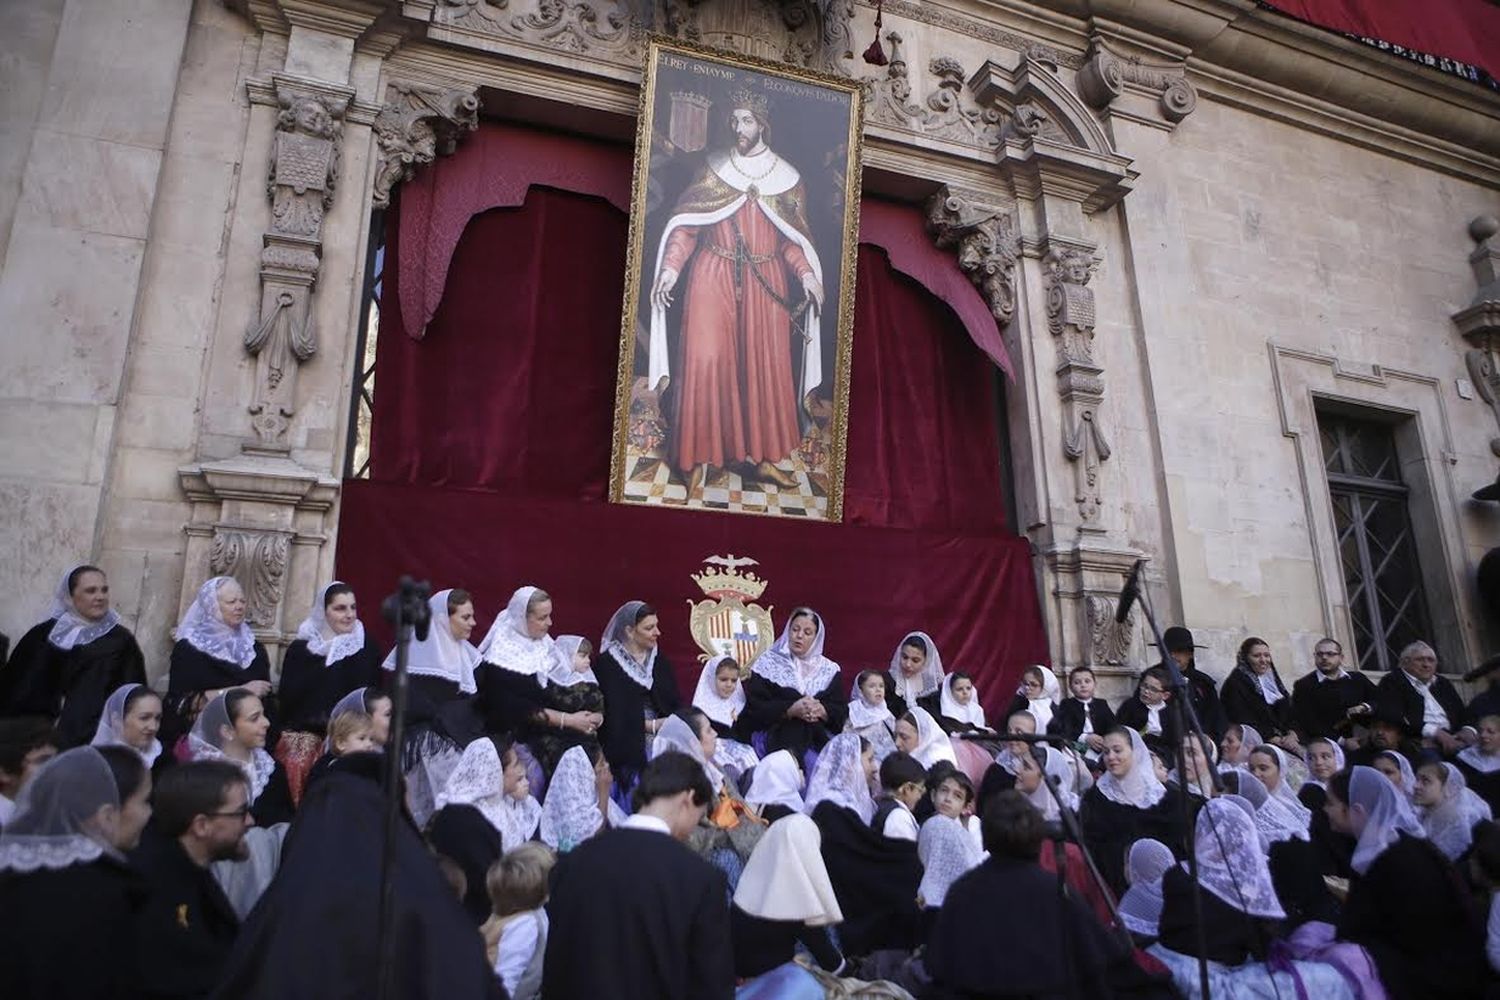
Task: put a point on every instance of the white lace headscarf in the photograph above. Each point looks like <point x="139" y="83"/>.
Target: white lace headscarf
<point x="204" y="629"/>
<point x="1480" y="761"/>
<point x="1056" y="769"/>
<point x="1272" y="817"/>
<point x="71" y="628"/>
<point x="1230" y="862"/>
<point x="510" y="646"/>
<point x="1450" y="823"/>
<point x="53" y="826"/>
<point x="1250" y="738"/>
<point x="613" y="643"/>
<point x="213" y="731"/>
<point x="1338" y="758"/>
<point x="807" y="675"/>
<point x="909" y="689"/>
<point x="111" y="728"/>
<point x="322" y="640"/>
<point x="948" y="852"/>
<point x="1140" y="787"/>
<point x="675" y="734"/>
<point x="562" y="673"/>
<point x="785" y="878"/>
<point x="777" y="781"/>
<point x="1408" y="787"/>
<point x="1140" y="907"/>
<point x="479" y="781"/>
<point x="1387" y="814"/>
<point x="933" y="744"/>
<point x="571" y="813"/>
<point x="839" y="777"/>
<point x="1287" y="784"/>
<point x="1041" y="708"/>
<point x="972" y="713"/>
<point x="440" y="654"/>
<point x="864" y="713"/>
<point x="724" y="711"/>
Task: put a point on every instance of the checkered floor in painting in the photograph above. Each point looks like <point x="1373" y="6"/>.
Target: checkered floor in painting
<point x="653" y="480"/>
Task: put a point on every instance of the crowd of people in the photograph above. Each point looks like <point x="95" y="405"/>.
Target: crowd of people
<point x="572" y="826"/>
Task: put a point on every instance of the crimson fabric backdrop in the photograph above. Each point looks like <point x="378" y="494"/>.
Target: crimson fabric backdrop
<point x="491" y="449"/>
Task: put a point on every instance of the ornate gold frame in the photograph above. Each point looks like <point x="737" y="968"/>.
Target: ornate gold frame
<point x="625" y="372"/>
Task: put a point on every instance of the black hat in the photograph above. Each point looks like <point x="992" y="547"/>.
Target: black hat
<point x="1178" y="639"/>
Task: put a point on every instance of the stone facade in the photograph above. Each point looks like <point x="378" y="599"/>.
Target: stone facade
<point x="1192" y="220"/>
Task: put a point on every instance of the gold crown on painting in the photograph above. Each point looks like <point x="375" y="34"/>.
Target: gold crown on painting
<point x="725" y="578"/>
<point x="750" y="101"/>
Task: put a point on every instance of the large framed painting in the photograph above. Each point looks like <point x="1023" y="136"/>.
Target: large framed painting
<point x="733" y="386"/>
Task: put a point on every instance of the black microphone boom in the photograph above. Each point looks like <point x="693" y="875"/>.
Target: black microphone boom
<point x="1484" y="669"/>
<point x="1129" y="593"/>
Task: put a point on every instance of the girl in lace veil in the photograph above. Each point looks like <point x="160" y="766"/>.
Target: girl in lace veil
<point x="1448" y="808"/>
<point x="869" y="717"/>
<point x="721" y="697"/>
<point x="573" y="693"/>
<point x="1272" y="766"/>
<point x="1398" y="770"/>
<point x="916" y="671"/>
<point x="840" y="777"/>
<point x="1275" y="821"/>
<point x="498" y="788"/>
<point x="233" y="727"/>
<point x="578" y="804"/>
<point x="1234" y="751"/>
<point x="947" y="852"/>
<point x="1140" y="907"/>
<point x="1128" y="802"/>
<point x="72" y="813"/>
<point x="131" y="718"/>
<point x="919" y="734"/>
<point x="1231" y="864"/>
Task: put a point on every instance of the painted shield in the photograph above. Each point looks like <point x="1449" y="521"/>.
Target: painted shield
<point x="729" y="627"/>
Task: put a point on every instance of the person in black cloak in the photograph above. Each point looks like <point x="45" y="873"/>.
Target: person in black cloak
<point x="1031" y="961"/>
<point x="795" y="694"/>
<point x="314" y="932"/>
<point x="215" y="651"/>
<point x="640" y="688"/>
<point x="1201" y="688"/>
<point x="66" y="667"/>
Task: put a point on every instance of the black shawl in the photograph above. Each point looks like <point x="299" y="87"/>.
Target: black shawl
<point x="875" y="879"/>
<point x="310" y="688"/>
<point x="70" y="685"/>
<point x="623" y="735"/>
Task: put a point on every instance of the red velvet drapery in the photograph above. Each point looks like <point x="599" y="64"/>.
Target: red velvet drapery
<point x="490" y="459"/>
<point x="1465" y="30"/>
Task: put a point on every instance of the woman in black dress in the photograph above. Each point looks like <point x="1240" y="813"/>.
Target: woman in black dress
<point x="67" y="898"/>
<point x="795" y="694"/>
<point x="572" y="692"/>
<point x="215" y="651"/>
<point x="1253" y="695"/>
<point x="131" y="718"/>
<point x="914" y="676"/>
<point x="66" y="667"/>
<point x="1127" y="804"/>
<point x="640" y="689"/>
<point x="331" y="657"/>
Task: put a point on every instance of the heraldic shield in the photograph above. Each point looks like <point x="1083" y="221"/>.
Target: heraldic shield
<point x="729" y="623"/>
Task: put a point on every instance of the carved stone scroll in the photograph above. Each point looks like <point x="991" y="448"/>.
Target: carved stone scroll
<point x="1070" y="317"/>
<point x="1105" y="75"/>
<point x="984" y="237"/>
<point x="1109" y="641"/>
<point x="303" y="172"/>
<point x="419" y="123"/>
<point x="258" y="560"/>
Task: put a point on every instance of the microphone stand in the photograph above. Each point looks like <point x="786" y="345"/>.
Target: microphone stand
<point x="407" y="610"/>
<point x="1186" y="720"/>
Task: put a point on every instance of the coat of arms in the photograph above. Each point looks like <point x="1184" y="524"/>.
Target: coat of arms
<point x="728" y="623"/>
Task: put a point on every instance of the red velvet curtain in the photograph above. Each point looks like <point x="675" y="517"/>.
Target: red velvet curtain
<point x="1465" y="30"/>
<point x="491" y="447"/>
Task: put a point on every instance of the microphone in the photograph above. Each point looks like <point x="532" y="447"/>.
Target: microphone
<point x="1484" y="669"/>
<point x="1129" y="593"/>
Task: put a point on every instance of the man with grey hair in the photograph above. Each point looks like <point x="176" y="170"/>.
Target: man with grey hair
<point x="1428" y="705"/>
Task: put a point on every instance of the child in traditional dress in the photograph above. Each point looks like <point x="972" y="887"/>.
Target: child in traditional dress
<point x="869" y="716"/>
<point x="721" y="697"/>
<point x="352" y="732"/>
<point x="902" y="785"/>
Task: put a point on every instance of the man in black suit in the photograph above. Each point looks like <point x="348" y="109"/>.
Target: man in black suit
<point x="634" y="914"/>
<point x="1329" y="700"/>
<point x="186" y="929"/>
<point x="1429" y="705"/>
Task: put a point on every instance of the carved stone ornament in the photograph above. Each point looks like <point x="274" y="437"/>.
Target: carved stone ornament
<point x="985" y="239"/>
<point x="1109" y="641"/>
<point x="1479" y="321"/>
<point x="954" y="113"/>
<point x="889" y="96"/>
<point x="304" y="168"/>
<point x="1105" y="75"/>
<point x="419" y="123"/>
<point x="1070" y="317"/>
<point x="258" y="560"/>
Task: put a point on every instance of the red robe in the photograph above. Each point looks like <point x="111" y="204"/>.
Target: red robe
<point x="736" y="396"/>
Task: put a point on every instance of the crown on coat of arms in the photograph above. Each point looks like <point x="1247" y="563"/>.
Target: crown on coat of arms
<point x="725" y="580"/>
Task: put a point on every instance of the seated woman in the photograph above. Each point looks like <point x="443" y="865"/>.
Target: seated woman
<point x="1406" y="904"/>
<point x="1448" y="808"/>
<point x="1325" y="758"/>
<point x="640" y="690"/>
<point x="68" y="900"/>
<point x="916" y="673"/>
<point x="1480" y="763"/>
<point x="573" y="691"/>
<point x="1201" y="758"/>
<point x="874" y="877"/>
<point x="1396" y="767"/>
<point x="484" y="810"/>
<point x="794" y="693"/>
<point x="776" y="787"/>
<point x="1273" y="767"/>
<point x="784" y="899"/>
<point x="518" y="656"/>
<point x="131" y="718"/>
<point x="1140" y="908"/>
<point x="1234" y="750"/>
<point x="1253" y="695"/>
<point x="721" y="697"/>
<point x="215" y="651"/>
<point x="578" y="802"/>
<point x="233" y="727"/>
<point x="1126" y="805"/>
<point x="65" y="667"/>
<point x="1239" y="902"/>
<point x="1038" y="694"/>
<point x="918" y="734"/>
<point x="330" y="658"/>
<point x="869" y="718"/>
<point x="1275" y="823"/>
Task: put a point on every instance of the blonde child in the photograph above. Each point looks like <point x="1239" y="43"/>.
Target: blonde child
<point x="516" y="935"/>
<point x="352" y="732"/>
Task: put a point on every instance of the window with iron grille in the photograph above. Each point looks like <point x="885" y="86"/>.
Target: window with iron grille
<point x="1377" y="552"/>
<point x="362" y="401"/>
